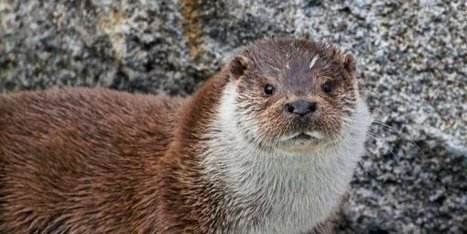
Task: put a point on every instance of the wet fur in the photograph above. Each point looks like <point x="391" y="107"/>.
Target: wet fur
<point x="81" y="160"/>
<point x="98" y="161"/>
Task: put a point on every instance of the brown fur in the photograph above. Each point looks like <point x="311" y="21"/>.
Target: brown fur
<point x="98" y="161"/>
<point x="82" y="160"/>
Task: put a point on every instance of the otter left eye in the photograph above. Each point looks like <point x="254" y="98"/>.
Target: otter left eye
<point x="268" y="89"/>
<point x="327" y="88"/>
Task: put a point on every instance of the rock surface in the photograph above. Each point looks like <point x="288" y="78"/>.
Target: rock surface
<point x="413" y="55"/>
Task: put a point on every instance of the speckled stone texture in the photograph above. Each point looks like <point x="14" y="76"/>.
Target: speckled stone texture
<point x="413" y="55"/>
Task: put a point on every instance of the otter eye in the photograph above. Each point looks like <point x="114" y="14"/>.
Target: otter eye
<point x="327" y="88"/>
<point x="268" y="89"/>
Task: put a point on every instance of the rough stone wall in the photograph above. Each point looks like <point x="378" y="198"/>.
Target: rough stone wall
<point x="413" y="55"/>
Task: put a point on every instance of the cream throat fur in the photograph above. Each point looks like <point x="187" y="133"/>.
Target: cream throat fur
<point x="287" y="193"/>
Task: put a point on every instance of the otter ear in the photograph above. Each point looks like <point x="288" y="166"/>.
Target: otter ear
<point x="238" y="66"/>
<point x="349" y="64"/>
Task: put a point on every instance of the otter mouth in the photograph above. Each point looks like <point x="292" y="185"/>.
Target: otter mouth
<point x="301" y="137"/>
<point x="304" y="137"/>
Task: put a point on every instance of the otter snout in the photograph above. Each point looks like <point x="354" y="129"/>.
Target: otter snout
<point x="300" y="107"/>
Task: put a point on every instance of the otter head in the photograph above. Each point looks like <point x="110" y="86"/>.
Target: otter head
<point x="293" y="95"/>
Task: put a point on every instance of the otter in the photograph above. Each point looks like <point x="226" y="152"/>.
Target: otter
<point x="267" y="145"/>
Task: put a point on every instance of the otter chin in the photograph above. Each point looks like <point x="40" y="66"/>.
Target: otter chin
<point x="267" y="145"/>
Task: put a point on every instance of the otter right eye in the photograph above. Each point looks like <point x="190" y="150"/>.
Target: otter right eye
<point x="327" y="88"/>
<point x="268" y="89"/>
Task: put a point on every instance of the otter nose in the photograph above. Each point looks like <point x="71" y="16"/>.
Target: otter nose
<point x="300" y="107"/>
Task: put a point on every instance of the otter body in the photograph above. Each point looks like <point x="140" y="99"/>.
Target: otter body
<point x="268" y="145"/>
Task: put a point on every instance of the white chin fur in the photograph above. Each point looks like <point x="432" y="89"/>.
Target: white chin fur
<point x="296" y="192"/>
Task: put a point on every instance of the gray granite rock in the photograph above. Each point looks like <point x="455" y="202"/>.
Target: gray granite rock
<point x="413" y="55"/>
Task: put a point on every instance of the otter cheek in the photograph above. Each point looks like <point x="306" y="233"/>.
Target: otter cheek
<point x="331" y="122"/>
<point x="250" y="127"/>
<point x="276" y="124"/>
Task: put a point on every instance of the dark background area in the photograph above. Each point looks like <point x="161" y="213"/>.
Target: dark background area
<point x="412" y="54"/>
